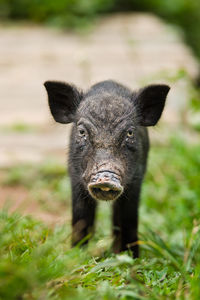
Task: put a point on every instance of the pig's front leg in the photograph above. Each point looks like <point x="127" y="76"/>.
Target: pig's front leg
<point x="125" y="223"/>
<point x="83" y="214"/>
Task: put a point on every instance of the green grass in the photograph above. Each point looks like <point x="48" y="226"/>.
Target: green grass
<point x="19" y="127"/>
<point x="38" y="263"/>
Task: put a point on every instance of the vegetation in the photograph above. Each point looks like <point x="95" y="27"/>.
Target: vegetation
<point x="38" y="263"/>
<point x="77" y="13"/>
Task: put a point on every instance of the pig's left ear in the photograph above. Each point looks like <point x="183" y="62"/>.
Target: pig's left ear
<point x="63" y="100"/>
<point x="149" y="103"/>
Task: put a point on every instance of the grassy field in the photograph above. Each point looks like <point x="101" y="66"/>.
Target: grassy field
<point x="38" y="263"/>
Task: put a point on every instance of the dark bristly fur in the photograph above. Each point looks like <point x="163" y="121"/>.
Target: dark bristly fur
<point x="108" y="151"/>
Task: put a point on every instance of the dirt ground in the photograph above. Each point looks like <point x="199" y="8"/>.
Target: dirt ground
<point x="17" y="199"/>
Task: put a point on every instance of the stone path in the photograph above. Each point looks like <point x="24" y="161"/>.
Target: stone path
<point x="131" y="48"/>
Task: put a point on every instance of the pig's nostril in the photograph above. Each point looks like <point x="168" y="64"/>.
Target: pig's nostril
<point x="102" y="180"/>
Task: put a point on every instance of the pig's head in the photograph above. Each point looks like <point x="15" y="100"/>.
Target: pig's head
<point x="107" y="141"/>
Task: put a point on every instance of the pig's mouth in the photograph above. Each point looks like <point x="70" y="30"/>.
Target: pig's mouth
<point x="105" y="185"/>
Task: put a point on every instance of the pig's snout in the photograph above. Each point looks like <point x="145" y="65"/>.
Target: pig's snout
<point x="105" y="185"/>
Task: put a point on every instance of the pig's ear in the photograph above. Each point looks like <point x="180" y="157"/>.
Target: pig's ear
<point x="149" y="103"/>
<point x="63" y="100"/>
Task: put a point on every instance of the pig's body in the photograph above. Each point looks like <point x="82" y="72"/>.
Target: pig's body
<point x="108" y="151"/>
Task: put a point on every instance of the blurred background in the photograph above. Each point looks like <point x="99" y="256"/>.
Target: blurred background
<point x="82" y="41"/>
<point x="135" y="42"/>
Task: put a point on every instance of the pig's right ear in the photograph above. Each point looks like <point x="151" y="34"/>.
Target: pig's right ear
<point x="63" y="100"/>
<point x="149" y="103"/>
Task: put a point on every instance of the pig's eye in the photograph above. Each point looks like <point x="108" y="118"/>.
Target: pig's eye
<point x="82" y="132"/>
<point x="131" y="139"/>
<point x="130" y="133"/>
